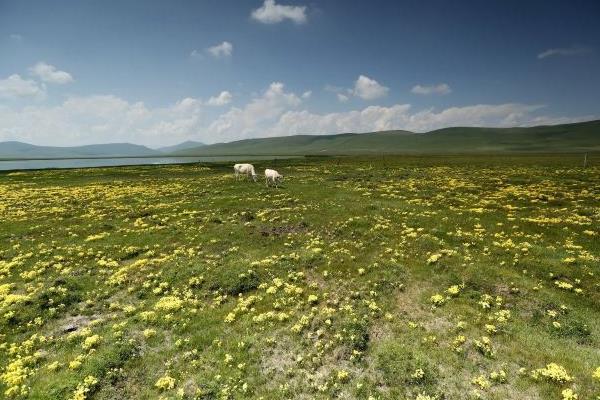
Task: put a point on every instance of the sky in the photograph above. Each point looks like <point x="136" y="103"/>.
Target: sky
<point x="159" y="72"/>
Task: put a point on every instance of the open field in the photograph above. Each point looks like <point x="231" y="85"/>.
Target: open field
<point x="361" y="278"/>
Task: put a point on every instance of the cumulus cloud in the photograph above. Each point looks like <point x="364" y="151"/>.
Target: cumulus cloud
<point x="188" y="104"/>
<point x="372" y="118"/>
<point x="101" y="119"/>
<point x="223" y="98"/>
<point x="15" y="86"/>
<point x="341" y="93"/>
<point x="564" y="51"/>
<point x="256" y="116"/>
<point x="272" y="13"/>
<point x="369" y="89"/>
<point x="224" y="49"/>
<point x="442" y="88"/>
<point x="402" y="117"/>
<point x="49" y="73"/>
<point x="274" y="112"/>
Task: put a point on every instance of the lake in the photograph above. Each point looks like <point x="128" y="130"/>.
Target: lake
<point x="113" y="162"/>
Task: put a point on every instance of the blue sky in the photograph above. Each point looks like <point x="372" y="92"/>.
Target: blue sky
<point x="160" y="72"/>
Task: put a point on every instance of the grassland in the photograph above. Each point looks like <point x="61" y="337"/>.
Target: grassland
<point x="361" y="278"/>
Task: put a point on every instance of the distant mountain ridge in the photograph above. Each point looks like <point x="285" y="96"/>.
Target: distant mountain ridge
<point x="576" y="137"/>
<point x="14" y="149"/>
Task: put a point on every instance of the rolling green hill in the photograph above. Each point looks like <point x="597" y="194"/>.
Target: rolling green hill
<point x="583" y="136"/>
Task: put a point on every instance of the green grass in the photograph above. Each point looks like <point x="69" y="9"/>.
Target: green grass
<point x="320" y="289"/>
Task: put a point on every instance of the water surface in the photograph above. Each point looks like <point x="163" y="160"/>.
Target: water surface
<point x="112" y="162"/>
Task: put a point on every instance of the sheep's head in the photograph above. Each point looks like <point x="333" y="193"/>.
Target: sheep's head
<point x="254" y="177"/>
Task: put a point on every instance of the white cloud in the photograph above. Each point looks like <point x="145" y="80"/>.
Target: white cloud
<point x="107" y="118"/>
<point x="272" y="13"/>
<point x="442" y="88"/>
<point x="368" y="89"/>
<point x="220" y="50"/>
<point x="372" y="118"/>
<point x="307" y="94"/>
<point x="274" y="112"/>
<point x="564" y="51"/>
<point x="342" y="95"/>
<point x="256" y="116"/>
<point x="101" y="119"/>
<point x="14" y="86"/>
<point x="49" y="73"/>
<point x="223" y="98"/>
<point x="401" y="117"/>
<point x="188" y="104"/>
<point x="15" y="36"/>
<point x="342" y="98"/>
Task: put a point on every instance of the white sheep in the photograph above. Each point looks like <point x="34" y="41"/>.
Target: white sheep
<point x="272" y="176"/>
<point x="244" y="169"/>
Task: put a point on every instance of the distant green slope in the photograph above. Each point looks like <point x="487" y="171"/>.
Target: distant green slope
<point x="583" y="136"/>
<point x="188" y="144"/>
<point x="14" y="149"/>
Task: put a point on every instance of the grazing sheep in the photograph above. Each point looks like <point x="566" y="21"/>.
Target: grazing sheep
<point x="272" y="176"/>
<point x="244" y="169"/>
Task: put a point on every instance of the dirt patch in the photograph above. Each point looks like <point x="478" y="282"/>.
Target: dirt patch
<point x="283" y="229"/>
<point x="380" y="332"/>
<point x="74" y="323"/>
<point x="280" y="367"/>
<point x="408" y="300"/>
<point x="410" y="305"/>
<point x="246" y="216"/>
<point x="279" y="359"/>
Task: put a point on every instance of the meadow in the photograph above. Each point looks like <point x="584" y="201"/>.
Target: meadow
<point x="463" y="277"/>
